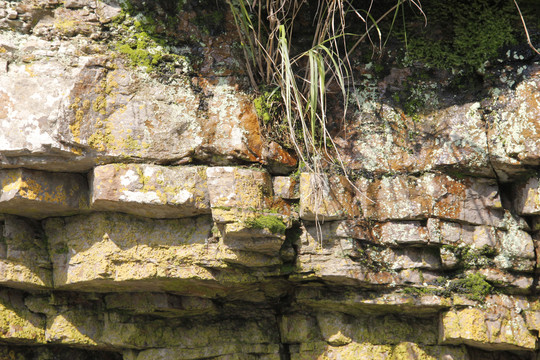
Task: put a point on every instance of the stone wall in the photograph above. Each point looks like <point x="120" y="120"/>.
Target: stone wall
<point x="145" y="216"/>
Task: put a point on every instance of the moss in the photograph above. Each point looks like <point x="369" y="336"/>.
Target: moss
<point x="144" y="40"/>
<point x="471" y="258"/>
<point x="266" y="105"/>
<point x="61" y="250"/>
<point x="474" y="287"/>
<point x="273" y="223"/>
<point x="462" y="34"/>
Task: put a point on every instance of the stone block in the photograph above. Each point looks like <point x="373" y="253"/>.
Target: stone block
<point x="384" y="142"/>
<point x="18" y="325"/>
<point x="24" y="257"/>
<point x="39" y="194"/>
<point x="470" y="200"/>
<point x="105" y="251"/>
<point x="239" y="236"/>
<point x="527" y="197"/>
<point x="325" y="198"/>
<point x="286" y="187"/>
<point x="495" y="327"/>
<point x="232" y="187"/>
<point x="412" y="258"/>
<point x="452" y="233"/>
<point x="299" y="328"/>
<point x="514" y="129"/>
<point x="401" y="233"/>
<point x="517" y="251"/>
<point x="150" y="190"/>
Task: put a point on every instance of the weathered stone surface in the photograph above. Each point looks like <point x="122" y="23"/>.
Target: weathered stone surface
<point x="150" y="190"/>
<point x="514" y="127"/>
<point x="278" y="160"/>
<point x="471" y="200"/>
<point x="40" y="194"/>
<point x="324" y="199"/>
<point x="99" y="110"/>
<point x="237" y="194"/>
<point x="46" y="352"/>
<point x="405" y="350"/>
<point x="112" y="330"/>
<point x="451" y="233"/>
<point x="286" y="187"/>
<point x="517" y="250"/>
<point x="231" y="187"/>
<point x="160" y="304"/>
<point x="17" y="324"/>
<point x="388" y="329"/>
<point x="498" y="327"/>
<point x="104" y="250"/>
<point x="218" y="352"/>
<point x="243" y="236"/>
<point x="31" y="102"/>
<point x="384" y="141"/>
<point x="527" y="197"/>
<point x="412" y="258"/>
<point x="509" y="281"/>
<point x="24" y="257"/>
<point x="401" y="233"/>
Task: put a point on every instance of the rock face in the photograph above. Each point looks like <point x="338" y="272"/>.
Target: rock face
<point x="144" y="215"/>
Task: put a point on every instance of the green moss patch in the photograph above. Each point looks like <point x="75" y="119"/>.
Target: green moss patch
<point x="461" y="34"/>
<point x="272" y="223"/>
<point x="474" y="287"/>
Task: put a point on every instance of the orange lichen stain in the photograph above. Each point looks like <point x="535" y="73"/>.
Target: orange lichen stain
<point x="31" y="189"/>
<point x="11" y="182"/>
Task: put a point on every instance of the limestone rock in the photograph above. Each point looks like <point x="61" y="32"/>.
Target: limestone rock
<point x="160" y="304"/>
<point x="40" y="194"/>
<point x="514" y="127"/>
<point x="527" y="197"/>
<point x="18" y="325"/>
<point x="495" y="328"/>
<point x="24" y="258"/>
<point x="325" y="199"/>
<point x="106" y="250"/>
<point x="31" y="102"/>
<point x="387" y="329"/>
<point x="401" y="233"/>
<point x="471" y="200"/>
<point x="150" y="190"/>
<point x="255" y="237"/>
<point x="231" y="187"/>
<point x="452" y="233"/>
<point x="517" y="251"/>
<point x="285" y="187"/>
<point x="412" y="258"/>
<point x="390" y="142"/>
<point x="237" y="193"/>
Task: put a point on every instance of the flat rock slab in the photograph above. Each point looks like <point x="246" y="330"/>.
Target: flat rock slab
<point x="470" y="200"/>
<point x="39" y="194"/>
<point x="150" y="190"/>
<point x="112" y="249"/>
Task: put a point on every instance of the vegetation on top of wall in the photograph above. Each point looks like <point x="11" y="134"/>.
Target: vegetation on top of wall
<point x="461" y="35"/>
<point x="146" y="36"/>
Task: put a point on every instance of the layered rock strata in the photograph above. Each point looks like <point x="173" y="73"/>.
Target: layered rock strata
<point x="146" y="216"/>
